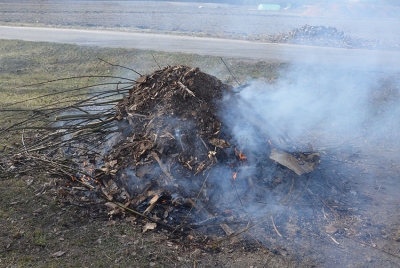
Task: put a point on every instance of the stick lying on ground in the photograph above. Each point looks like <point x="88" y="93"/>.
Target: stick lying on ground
<point x="300" y="163"/>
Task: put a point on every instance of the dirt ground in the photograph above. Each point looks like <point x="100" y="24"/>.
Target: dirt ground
<point x="345" y="214"/>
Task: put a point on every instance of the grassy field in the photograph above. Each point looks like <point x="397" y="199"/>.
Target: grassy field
<point x="38" y="229"/>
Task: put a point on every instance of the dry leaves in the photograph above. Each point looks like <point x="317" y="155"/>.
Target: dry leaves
<point x="149" y="226"/>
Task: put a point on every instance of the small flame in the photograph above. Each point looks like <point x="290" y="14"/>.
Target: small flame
<point x="84" y="177"/>
<point x="241" y="156"/>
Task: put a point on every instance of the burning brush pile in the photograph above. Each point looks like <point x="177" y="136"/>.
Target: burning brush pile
<point x="172" y="139"/>
<point x="167" y="156"/>
<point x="172" y="116"/>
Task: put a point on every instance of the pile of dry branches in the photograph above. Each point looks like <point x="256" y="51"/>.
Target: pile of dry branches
<point x="149" y="148"/>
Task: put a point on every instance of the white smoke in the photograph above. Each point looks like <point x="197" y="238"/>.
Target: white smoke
<point x="309" y="101"/>
<point x="326" y="107"/>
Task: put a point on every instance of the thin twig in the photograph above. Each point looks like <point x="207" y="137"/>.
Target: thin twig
<point x="81" y="116"/>
<point x="143" y="216"/>
<point x="230" y="72"/>
<point x="164" y="169"/>
<point x="155" y="60"/>
<point x="64" y="91"/>
<point x="186" y="88"/>
<point x="74" y="77"/>
<point x="333" y="239"/>
<point x="276" y="229"/>
<point x="58" y="165"/>
<point x="117" y="65"/>
<point x="23" y="141"/>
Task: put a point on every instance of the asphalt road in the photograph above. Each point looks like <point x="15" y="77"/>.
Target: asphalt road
<point x="387" y="61"/>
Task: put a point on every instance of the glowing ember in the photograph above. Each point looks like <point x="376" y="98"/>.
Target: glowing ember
<point x="239" y="154"/>
<point x="234" y="175"/>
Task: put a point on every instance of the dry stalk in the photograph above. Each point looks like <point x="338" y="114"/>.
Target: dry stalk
<point x="58" y="165"/>
<point x="153" y="203"/>
<point x="23" y="141"/>
<point x="273" y="224"/>
<point x="66" y="91"/>
<point x="75" y="77"/>
<point x="186" y="89"/>
<point x="154" y="58"/>
<point x="230" y="72"/>
<point x="117" y="65"/>
<point x="81" y="116"/>
<point x="162" y="166"/>
<point x="333" y="239"/>
<point x="169" y="227"/>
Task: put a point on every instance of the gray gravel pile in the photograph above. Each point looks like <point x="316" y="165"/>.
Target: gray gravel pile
<point x="329" y="37"/>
